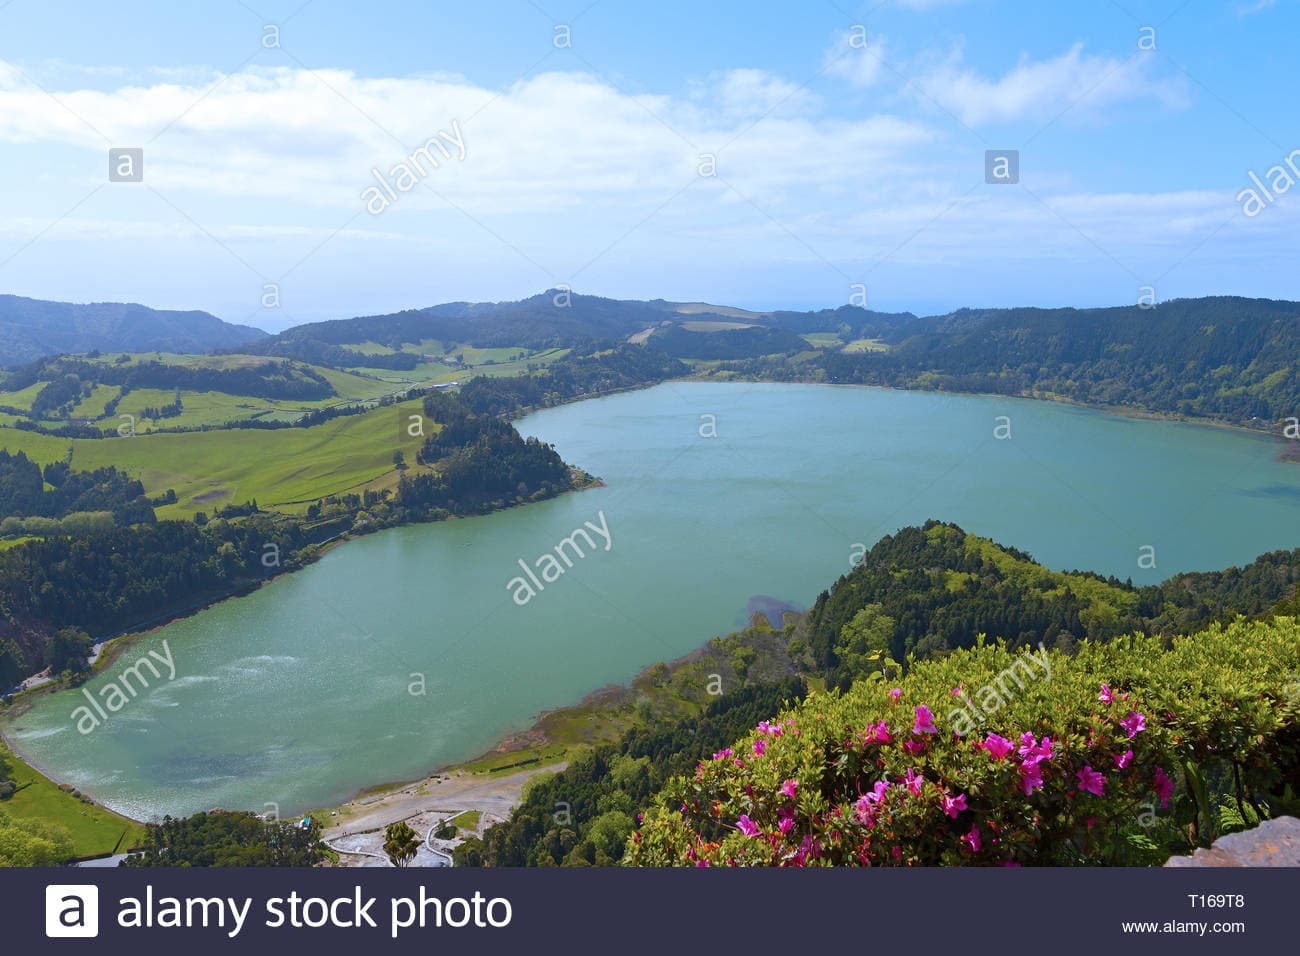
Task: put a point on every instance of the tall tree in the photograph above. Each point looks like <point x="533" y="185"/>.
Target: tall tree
<point x="400" y="843"/>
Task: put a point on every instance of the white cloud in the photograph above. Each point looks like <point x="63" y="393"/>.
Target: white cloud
<point x="1042" y="89"/>
<point x="749" y="93"/>
<point x="858" y="60"/>
<point x="547" y="143"/>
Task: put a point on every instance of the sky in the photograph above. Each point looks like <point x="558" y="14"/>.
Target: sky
<point x="323" y="159"/>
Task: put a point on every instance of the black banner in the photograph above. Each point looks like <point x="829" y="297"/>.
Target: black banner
<point x="650" y="911"/>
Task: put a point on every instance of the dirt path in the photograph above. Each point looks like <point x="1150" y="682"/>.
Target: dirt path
<point x="456" y="791"/>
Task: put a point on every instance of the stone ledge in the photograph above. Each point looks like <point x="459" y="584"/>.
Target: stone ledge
<point x="1272" y="843"/>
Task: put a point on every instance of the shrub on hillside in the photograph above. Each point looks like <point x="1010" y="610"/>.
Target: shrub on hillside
<point x="1112" y="755"/>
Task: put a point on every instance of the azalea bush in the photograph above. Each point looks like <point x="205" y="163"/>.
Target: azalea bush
<point x="1114" y="755"/>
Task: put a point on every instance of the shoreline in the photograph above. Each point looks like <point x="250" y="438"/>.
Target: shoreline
<point x="535" y="734"/>
<point x="1119" y="411"/>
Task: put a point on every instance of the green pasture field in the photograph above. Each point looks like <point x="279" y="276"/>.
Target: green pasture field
<point x="823" y="340"/>
<point x="23" y="398"/>
<point x="713" y="325"/>
<point x="284" y="469"/>
<point x="94" y="830"/>
<point x="866" y="345"/>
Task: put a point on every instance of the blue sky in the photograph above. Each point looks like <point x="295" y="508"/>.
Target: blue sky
<point x="839" y="161"/>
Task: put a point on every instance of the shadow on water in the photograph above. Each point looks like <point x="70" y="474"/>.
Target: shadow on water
<point x="772" y="608"/>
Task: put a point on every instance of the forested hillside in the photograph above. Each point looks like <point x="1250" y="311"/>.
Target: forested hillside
<point x="1226" y="358"/>
<point x="32" y="328"/>
<point x="934" y="589"/>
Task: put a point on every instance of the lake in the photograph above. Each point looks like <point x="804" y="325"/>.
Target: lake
<point x="411" y="649"/>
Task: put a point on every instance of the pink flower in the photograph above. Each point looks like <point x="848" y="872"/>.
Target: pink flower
<point x="896" y="693"/>
<point x="789" y="787"/>
<point x="1124" y="759"/>
<point x="1106" y="695"/>
<point x="924" y="721"/>
<point x="1031" y="751"/>
<point x="1164" y="787"/>
<point x="999" y="748"/>
<point x="914" y="782"/>
<point x="810" y="846"/>
<point x="1091" y="781"/>
<point x="760" y="745"/>
<point x="865" y="810"/>
<point x="1031" y="777"/>
<point x="972" y="839"/>
<point x="1134" y="723"/>
<point x="785" y="825"/>
<point x="914" y="747"/>
<point x="747" y="826"/>
<point x="881" y="733"/>
<point x="877" y="794"/>
<point x="722" y="754"/>
<point x="954" y="805"/>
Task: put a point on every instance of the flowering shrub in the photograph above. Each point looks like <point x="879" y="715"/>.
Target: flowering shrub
<point x="1117" y="744"/>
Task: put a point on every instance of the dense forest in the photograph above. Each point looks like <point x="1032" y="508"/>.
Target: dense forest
<point x="483" y="462"/>
<point x="24" y="492"/>
<point x="225" y="838"/>
<point x="936" y="588"/>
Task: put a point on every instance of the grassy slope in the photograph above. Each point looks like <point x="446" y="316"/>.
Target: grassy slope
<point x="94" y="830"/>
<point x="219" y="408"/>
<point x="23" y="398"/>
<point x="285" y="469"/>
<point x="359" y="385"/>
<point x="866" y="345"/>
